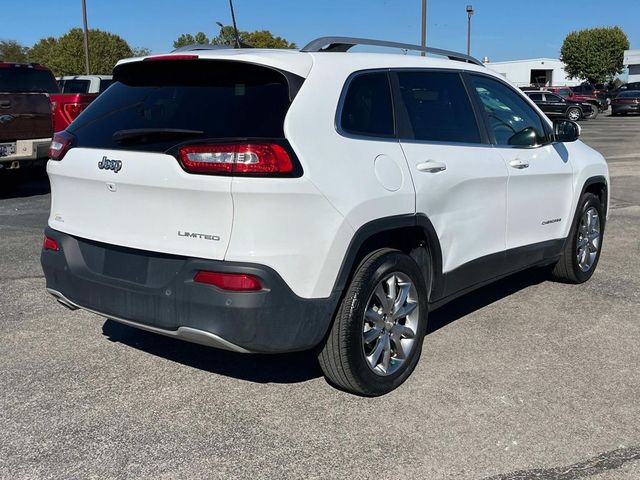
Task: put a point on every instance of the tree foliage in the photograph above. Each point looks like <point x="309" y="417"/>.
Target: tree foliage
<point x="12" y="51"/>
<point x="595" y="54"/>
<point x="65" y="54"/>
<point x="185" y="39"/>
<point x="256" y="39"/>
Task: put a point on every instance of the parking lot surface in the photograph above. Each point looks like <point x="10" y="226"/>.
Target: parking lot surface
<point x="523" y="379"/>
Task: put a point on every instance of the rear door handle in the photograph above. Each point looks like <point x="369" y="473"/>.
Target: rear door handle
<point x="519" y="164"/>
<point x="431" y="166"/>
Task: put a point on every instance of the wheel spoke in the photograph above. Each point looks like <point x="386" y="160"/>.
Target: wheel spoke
<point x="405" y="310"/>
<point x="386" y="353"/>
<point x="402" y="331"/>
<point x="374" y="358"/>
<point x="399" y="349"/>
<point x="371" y="335"/>
<point x="392" y="288"/>
<point x="401" y="299"/>
<point x="382" y="296"/>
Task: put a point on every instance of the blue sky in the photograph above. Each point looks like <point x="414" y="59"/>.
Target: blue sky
<point x="502" y="29"/>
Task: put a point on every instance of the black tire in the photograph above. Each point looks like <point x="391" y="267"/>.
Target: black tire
<point x="567" y="270"/>
<point x="595" y="113"/>
<point x="574" y="112"/>
<point x="342" y="357"/>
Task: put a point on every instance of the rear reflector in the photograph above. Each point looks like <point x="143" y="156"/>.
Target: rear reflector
<point x="50" y="244"/>
<point x="60" y="145"/>
<point x="235" y="282"/>
<point x="237" y="158"/>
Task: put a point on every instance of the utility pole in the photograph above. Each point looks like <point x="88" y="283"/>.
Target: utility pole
<point x="469" y="14"/>
<point x="424" y="26"/>
<point x="86" y="36"/>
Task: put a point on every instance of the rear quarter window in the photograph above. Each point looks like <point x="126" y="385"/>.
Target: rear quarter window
<point x="367" y="108"/>
<point x="220" y="99"/>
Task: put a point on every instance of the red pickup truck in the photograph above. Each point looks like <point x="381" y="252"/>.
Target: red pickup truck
<point x="31" y="109"/>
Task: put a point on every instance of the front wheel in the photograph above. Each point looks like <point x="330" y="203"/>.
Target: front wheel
<point x="582" y="248"/>
<point x="595" y="113"/>
<point x="376" y="338"/>
<point x="574" y="114"/>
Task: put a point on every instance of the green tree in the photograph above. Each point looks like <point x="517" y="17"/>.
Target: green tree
<point x="65" y="54"/>
<point x="226" y="36"/>
<point x="595" y="54"/>
<point x="12" y="51"/>
<point x="185" y="39"/>
<point x="140" y="51"/>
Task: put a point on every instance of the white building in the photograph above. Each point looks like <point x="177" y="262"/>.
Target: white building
<point x="632" y="61"/>
<point x="534" y="72"/>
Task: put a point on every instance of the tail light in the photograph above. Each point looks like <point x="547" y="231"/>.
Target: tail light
<point x="237" y="158"/>
<point x="235" y="282"/>
<point x="50" y="244"/>
<point x="71" y="110"/>
<point x="60" y="145"/>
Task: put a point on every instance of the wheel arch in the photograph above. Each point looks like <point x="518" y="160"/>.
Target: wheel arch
<point x="412" y="234"/>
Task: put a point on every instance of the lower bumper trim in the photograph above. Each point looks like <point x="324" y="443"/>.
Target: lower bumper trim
<point x="187" y="334"/>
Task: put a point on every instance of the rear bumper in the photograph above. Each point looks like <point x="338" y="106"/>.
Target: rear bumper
<point x="156" y="292"/>
<point x="29" y="150"/>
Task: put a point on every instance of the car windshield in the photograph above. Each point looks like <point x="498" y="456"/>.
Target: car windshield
<point x="26" y="80"/>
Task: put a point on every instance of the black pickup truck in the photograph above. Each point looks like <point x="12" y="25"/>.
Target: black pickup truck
<point x="26" y="124"/>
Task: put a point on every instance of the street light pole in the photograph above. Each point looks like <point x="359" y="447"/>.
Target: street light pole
<point x="469" y="13"/>
<point x="86" y="36"/>
<point x="424" y="26"/>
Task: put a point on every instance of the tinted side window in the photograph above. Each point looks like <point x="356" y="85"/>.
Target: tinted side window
<point x="511" y="118"/>
<point x="536" y="97"/>
<point x="438" y="107"/>
<point x="565" y="92"/>
<point x="367" y="107"/>
<point x="552" y="98"/>
<point x="104" y="84"/>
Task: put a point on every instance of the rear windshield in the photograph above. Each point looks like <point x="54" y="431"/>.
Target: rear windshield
<point x="74" y="86"/>
<point x="27" y="80"/>
<point x="184" y="100"/>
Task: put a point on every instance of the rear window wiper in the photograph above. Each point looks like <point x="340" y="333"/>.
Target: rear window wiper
<point x="150" y="135"/>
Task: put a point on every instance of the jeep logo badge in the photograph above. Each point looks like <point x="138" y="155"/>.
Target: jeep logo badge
<point x="106" y="164"/>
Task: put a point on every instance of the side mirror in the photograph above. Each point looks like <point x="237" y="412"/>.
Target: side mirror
<point x="524" y="138"/>
<point x="566" y="130"/>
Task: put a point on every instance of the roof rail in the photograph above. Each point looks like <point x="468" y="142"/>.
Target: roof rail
<point x="200" y="46"/>
<point x="343" y="44"/>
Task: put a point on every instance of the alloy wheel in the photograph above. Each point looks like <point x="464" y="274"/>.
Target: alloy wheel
<point x="390" y="324"/>
<point x="588" y="239"/>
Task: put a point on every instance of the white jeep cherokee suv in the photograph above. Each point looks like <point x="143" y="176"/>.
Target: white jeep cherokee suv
<point x="274" y="201"/>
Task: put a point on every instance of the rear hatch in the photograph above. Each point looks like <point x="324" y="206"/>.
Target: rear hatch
<point x="25" y="109"/>
<point x="124" y="180"/>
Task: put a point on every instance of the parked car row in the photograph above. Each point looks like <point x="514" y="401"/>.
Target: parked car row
<point x="585" y="101"/>
<point x="33" y="106"/>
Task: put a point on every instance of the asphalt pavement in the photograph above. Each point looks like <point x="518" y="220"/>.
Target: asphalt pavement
<point x="523" y="379"/>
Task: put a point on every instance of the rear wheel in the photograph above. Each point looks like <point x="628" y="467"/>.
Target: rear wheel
<point x="574" y="114"/>
<point x="377" y="335"/>
<point x="582" y="248"/>
<point x="595" y="113"/>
